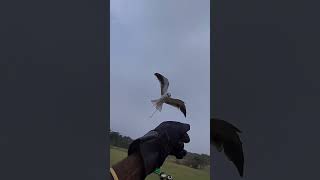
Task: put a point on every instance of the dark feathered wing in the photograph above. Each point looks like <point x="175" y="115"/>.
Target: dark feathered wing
<point x="177" y="103"/>
<point x="225" y="136"/>
<point x="234" y="152"/>
<point x="164" y="83"/>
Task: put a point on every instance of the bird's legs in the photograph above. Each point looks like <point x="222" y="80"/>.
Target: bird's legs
<point x="153" y="113"/>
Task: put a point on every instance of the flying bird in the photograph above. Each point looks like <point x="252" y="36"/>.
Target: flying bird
<point x="224" y="136"/>
<point x="166" y="96"/>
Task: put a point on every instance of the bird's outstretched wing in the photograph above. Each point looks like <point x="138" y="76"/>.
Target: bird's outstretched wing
<point x="225" y="136"/>
<point x="177" y="103"/>
<point x="164" y="83"/>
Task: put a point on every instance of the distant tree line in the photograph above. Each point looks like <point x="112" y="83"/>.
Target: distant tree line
<point x="193" y="160"/>
<point x="116" y="139"/>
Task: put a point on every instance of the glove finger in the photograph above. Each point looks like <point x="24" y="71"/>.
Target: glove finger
<point x="177" y="148"/>
<point x="181" y="127"/>
<point x="181" y="154"/>
<point x="184" y="128"/>
<point x="185" y="138"/>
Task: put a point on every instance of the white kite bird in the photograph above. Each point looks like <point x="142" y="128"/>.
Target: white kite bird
<point x="166" y="97"/>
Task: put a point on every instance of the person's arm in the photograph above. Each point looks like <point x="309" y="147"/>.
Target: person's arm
<point x="149" y="152"/>
<point x="130" y="168"/>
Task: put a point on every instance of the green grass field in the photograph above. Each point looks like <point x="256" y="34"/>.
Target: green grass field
<point x="179" y="172"/>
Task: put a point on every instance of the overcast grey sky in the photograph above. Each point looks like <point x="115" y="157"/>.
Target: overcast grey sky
<point x="169" y="37"/>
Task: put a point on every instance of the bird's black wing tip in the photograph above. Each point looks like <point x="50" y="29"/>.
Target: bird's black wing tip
<point x="184" y="111"/>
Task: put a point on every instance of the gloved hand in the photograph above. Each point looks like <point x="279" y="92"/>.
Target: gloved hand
<point x="166" y="139"/>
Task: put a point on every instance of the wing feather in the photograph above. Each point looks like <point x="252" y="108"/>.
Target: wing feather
<point x="225" y="135"/>
<point x="177" y="103"/>
<point x="164" y="83"/>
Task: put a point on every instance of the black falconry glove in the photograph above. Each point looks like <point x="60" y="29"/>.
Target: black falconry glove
<point x="166" y="139"/>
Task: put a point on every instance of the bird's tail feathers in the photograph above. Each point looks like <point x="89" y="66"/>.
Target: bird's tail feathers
<point x="154" y="102"/>
<point x="157" y="103"/>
